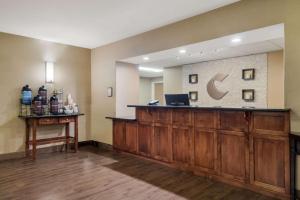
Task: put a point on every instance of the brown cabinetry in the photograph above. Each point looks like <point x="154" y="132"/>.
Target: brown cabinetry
<point x="234" y="155"/>
<point x="131" y="136"/>
<point x="269" y="147"/>
<point x="145" y="133"/>
<point x="182" y="145"/>
<point x="205" y="150"/>
<point x="162" y="142"/>
<point x="248" y="148"/>
<point x="125" y="135"/>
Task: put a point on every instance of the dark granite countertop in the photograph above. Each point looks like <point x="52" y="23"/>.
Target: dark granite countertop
<point x="126" y="118"/>
<point x="215" y="108"/>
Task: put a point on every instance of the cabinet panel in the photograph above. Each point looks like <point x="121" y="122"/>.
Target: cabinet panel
<point x="271" y="123"/>
<point x="205" y="119"/>
<point x="119" y="134"/>
<point x="182" y="145"/>
<point x="131" y="136"/>
<point x="182" y="117"/>
<point x="145" y="132"/>
<point x="234" y="155"/>
<point x="205" y="149"/>
<point x="163" y="116"/>
<point x="270" y="163"/>
<point x="162" y="143"/>
<point x="234" y="121"/>
<point x="144" y="114"/>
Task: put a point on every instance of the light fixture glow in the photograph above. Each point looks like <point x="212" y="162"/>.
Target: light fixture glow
<point x="150" y="69"/>
<point x="236" y="40"/>
<point x="182" y="51"/>
<point x="146" y="58"/>
<point x="49" y="72"/>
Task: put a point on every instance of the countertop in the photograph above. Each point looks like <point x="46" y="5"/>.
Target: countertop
<point x="126" y="118"/>
<point x="214" y="108"/>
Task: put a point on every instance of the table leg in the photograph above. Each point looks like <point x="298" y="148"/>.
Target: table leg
<point x="67" y="136"/>
<point x="34" y="140"/>
<point x="27" y="138"/>
<point x="76" y="134"/>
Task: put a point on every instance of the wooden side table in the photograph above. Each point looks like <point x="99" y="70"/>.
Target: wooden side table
<point x="34" y="121"/>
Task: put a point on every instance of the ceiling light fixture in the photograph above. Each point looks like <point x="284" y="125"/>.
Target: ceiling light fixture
<point x="182" y="51"/>
<point x="146" y="58"/>
<point x="236" y="40"/>
<point x="150" y="69"/>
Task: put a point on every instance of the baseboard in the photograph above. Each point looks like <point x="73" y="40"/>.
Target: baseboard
<point x="55" y="148"/>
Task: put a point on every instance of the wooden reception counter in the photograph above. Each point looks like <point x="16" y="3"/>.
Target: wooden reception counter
<point x="246" y="147"/>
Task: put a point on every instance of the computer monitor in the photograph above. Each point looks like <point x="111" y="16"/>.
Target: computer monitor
<point x="177" y="99"/>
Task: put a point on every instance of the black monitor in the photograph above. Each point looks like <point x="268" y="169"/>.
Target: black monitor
<point x="177" y="99"/>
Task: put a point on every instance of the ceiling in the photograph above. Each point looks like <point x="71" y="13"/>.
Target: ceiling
<point x="93" y="23"/>
<point x="252" y="42"/>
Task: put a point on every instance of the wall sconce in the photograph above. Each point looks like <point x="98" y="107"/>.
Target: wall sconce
<point x="49" y="72"/>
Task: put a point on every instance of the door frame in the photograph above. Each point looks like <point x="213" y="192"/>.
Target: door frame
<point x="152" y="88"/>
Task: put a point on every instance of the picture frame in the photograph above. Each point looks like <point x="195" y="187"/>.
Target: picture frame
<point x="109" y="92"/>
<point x="193" y="96"/>
<point x="248" y="95"/>
<point x="248" y="74"/>
<point x="193" y="78"/>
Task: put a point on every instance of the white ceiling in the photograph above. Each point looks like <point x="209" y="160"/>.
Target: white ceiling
<point x="252" y="42"/>
<point x="93" y="23"/>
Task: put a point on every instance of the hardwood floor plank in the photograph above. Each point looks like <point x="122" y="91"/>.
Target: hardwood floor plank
<point x="94" y="174"/>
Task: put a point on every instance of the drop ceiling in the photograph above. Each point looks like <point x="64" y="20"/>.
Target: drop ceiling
<point x="252" y="42"/>
<point x="93" y="23"/>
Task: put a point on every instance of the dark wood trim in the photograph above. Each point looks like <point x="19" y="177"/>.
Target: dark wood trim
<point x="294" y="151"/>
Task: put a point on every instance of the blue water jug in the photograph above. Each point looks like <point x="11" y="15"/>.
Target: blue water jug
<point x="26" y="95"/>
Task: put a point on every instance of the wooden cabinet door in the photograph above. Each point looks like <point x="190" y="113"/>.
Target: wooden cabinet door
<point x="205" y="150"/>
<point x="182" y="141"/>
<point x="145" y="132"/>
<point x="234" y="155"/>
<point x="162" y="142"/>
<point x="119" y="135"/>
<point x="131" y="137"/>
<point x="270" y="166"/>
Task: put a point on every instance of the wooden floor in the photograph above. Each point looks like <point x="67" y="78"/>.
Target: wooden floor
<point x="99" y="174"/>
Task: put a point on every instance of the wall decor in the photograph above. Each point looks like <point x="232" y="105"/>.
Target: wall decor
<point x="211" y="88"/>
<point x="248" y="74"/>
<point x="193" y="96"/>
<point x="193" y="78"/>
<point x="109" y="92"/>
<point x="248" y="95"/>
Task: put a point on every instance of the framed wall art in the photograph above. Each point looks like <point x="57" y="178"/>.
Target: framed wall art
<point x="193" y="78"/>
<point x="248" y="95"/>
<point x="248" y="74"/>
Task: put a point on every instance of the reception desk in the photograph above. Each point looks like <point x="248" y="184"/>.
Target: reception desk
<point x="246" y="147"/>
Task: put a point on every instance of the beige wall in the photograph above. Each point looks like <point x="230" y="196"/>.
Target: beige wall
<point x="22" y="62"/>
<point x="275" y="89"/>
<point x="173" y="80"/>
<point x="127" y="88"/>
<point x="241" y="16"/>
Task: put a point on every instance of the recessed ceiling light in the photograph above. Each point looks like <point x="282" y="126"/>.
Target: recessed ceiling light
<point x="182" y="51"/>
<point x="146" y="58"/>
<point x="236" y="40"/>
<point x="150" y="69"/>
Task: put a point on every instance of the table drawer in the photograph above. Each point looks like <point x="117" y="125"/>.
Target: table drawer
<point x="47" y="121"/>
<point x="65" y="120"/>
